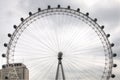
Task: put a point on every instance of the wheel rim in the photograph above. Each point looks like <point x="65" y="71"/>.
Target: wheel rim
<point x="62" y="24"/>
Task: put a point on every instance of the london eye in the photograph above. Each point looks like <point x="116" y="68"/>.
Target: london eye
<point x="61" y="44"/>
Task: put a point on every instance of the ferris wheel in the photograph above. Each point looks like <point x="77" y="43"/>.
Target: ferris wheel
<point x="61" y="44"/>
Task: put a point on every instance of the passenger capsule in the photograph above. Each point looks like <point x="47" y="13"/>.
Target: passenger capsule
<point x="58" y="6"/>
<point x="78" y="9"/>
<point x="30" y="13"/>
<point x="9" y="35"/>
<point x="3" y="55"/>
<point x="68" y="7"/>
<point x="22" y="19"/>
<point x="95" y="20"/>
<point x="87" y="14"/>
<point x="112" y="44"/>
<point x="39" y="9"/>
<point x="102" y="27"/>
<point x="114" y="55"/>
<point x="108" y="35"/>
<point x="49" y="6"/>
<point x="5" y="44"/>
<point x="113" y="76"/>
<point x="14" y="26"/>
<point x="114" y="65"/>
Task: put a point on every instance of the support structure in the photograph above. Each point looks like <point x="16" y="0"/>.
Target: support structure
<point x="60" y="67"/>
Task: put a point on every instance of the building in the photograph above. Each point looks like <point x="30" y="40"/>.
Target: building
<point x="0" y="75"/>
<point x="14" y="72"/>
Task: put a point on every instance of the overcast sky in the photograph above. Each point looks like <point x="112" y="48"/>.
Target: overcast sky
<point x="106" y="11"/>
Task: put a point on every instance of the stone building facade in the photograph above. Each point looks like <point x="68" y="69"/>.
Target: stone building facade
<point x="14" y="72"/>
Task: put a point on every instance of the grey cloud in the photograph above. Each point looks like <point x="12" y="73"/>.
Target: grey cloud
<point x="28" y="4"/>
<point x="110" y="16"/>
